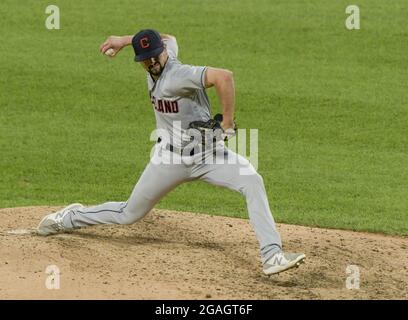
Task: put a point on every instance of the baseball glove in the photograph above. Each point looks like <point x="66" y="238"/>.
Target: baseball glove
<point x="213" y="127"/>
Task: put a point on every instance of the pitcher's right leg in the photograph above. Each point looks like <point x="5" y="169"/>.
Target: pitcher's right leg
<point x="155" y="182"/>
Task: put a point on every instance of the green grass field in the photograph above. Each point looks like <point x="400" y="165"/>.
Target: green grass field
<point x="331" y="105"/>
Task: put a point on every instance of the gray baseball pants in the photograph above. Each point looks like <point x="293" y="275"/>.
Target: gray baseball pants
<point x="163" y="174"/>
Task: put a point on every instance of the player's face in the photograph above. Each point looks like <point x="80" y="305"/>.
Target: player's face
<point x="155" y="65"/>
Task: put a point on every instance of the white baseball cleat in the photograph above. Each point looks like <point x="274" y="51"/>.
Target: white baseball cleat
<point x="282" y="261"/>
<point x="52" y="223"/>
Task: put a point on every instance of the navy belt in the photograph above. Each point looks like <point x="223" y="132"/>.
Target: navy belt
<point x="171" y="148"/>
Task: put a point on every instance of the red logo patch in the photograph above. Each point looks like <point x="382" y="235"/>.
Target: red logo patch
<point x="144" y="43"/>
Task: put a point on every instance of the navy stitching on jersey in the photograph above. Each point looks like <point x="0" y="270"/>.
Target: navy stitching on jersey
<point x="121" y="210"/>
<point x="202" y="77"/>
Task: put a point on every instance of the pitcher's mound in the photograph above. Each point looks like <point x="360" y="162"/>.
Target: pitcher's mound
<point x="178" y="255"/>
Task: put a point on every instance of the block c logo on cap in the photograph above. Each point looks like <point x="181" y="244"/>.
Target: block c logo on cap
<point x="144" y="42"/>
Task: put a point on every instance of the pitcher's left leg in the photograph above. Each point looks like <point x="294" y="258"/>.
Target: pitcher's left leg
<point x="242" y="177"/>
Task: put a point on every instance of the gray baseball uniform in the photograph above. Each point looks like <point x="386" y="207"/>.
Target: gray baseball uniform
<point x="179" y="96"/>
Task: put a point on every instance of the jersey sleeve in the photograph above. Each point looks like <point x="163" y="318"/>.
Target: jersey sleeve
<point x="186" y="79"/>
<point x="172" y="47"/>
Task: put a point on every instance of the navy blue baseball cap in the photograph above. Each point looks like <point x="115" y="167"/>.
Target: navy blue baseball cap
<point x="147" y="44"/>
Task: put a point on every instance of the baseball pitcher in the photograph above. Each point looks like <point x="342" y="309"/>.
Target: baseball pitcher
<point x="182" y="109"/>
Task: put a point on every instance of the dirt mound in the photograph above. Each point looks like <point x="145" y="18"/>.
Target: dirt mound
<point x="178" y="255"/>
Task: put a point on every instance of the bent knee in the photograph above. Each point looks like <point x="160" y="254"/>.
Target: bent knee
<point x="255" y="179"/>
<point x="252" y="183"/>
<point x="130" y="217"/>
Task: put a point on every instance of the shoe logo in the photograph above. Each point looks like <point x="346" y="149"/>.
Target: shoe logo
<point x="277" y="260"/>
<point x="59" y="215"/>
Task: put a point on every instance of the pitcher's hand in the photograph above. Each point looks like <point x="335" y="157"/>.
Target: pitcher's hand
<point x="116" y="44"/>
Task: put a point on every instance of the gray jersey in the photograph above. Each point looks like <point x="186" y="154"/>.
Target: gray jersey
<point x="178" y="97"/>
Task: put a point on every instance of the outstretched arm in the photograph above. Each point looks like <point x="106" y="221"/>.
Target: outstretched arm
<point x="223" y="81"/>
